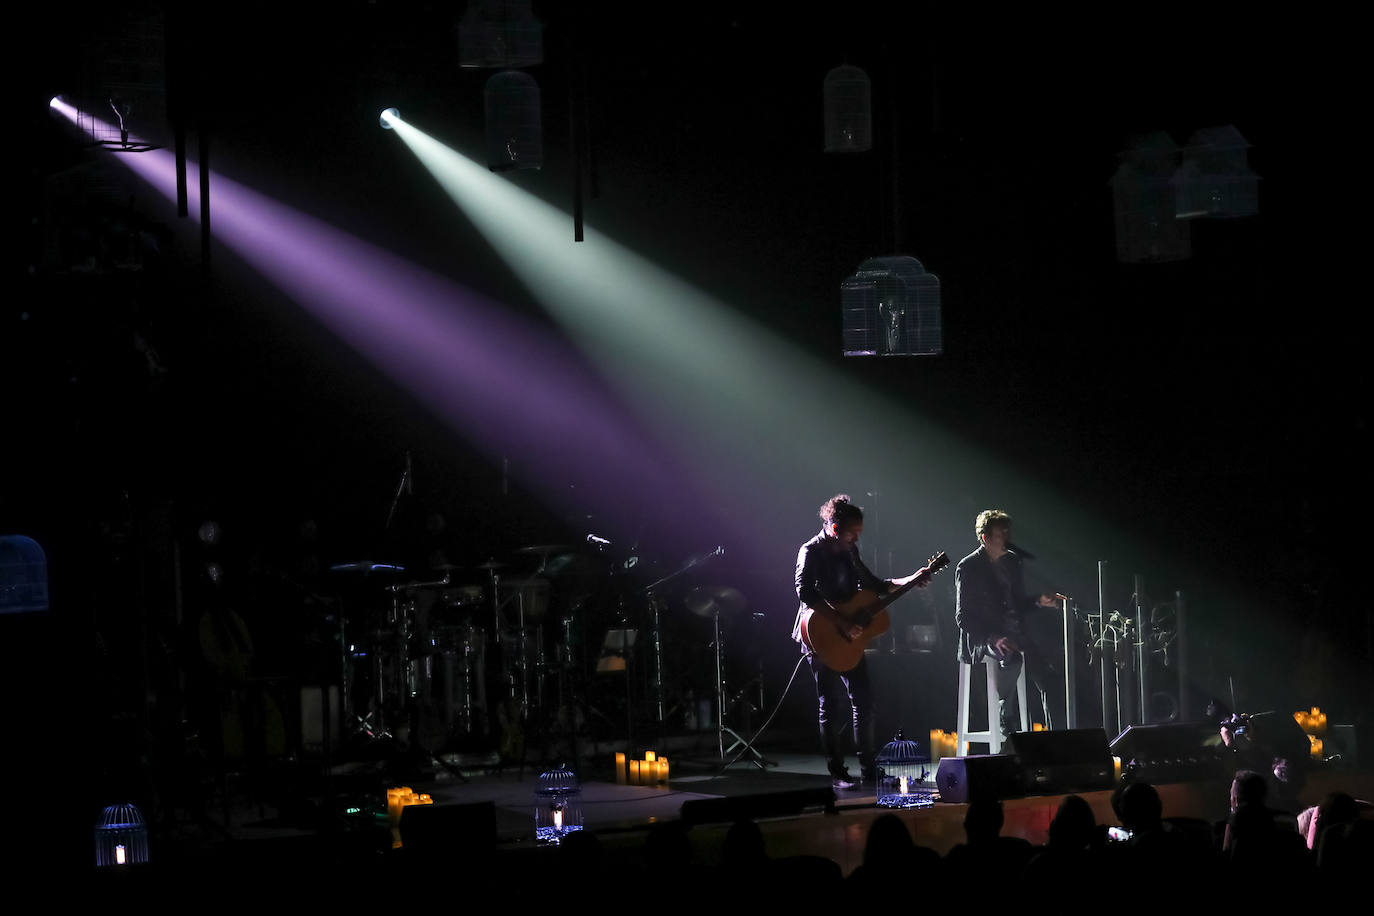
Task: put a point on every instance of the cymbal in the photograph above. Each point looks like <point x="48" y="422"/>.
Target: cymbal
<point x="366" y="566"/>
<point x="707" y="601"/>
<point x="491" y="564"/>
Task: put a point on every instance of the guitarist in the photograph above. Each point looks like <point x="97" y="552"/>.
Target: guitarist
<point x="829" y="572"/>
<point x="989" y="607"/>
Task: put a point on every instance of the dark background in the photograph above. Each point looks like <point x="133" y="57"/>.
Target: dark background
<point x="1213" y="408"/>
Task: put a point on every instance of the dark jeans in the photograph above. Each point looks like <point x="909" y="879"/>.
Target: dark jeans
<point x="1048" y="682"/>
<point x="859" y="692"/>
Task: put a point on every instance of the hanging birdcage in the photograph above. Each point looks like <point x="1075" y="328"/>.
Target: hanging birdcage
<point x="890" y="306"/>
<point x="848" y="111"/>
<point x="499" y="34"/>
<point x="1215" y="179"/>
<point x="23" y="575"/>
<point x="1143" y="202"/>
<point x="514" y="132"/>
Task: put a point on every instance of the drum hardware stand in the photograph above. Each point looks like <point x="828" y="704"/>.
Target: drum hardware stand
<point x="655" y="605"/>
<point x="747" y="748"/>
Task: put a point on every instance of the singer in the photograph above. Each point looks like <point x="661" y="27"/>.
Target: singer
<point x="829" y="571"/>
<point x="990" y="605"/>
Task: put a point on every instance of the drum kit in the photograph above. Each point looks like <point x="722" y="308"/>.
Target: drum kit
<point x="442" y="657"/>
<point x="469" y="657"/>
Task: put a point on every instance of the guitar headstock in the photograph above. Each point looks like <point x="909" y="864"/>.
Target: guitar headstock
<point x="937" y="563"/>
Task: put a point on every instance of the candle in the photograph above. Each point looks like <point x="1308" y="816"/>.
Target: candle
<point x="663" y="770"/>
<point x="558" y="820"/>
<point x="903" y="779"/>
<point x="634" y="772"/>
<point x="649" y="756"/>
<point x="1116" y="768"/>
<point x="119" y="855"/>
<point x="620" y="769"/>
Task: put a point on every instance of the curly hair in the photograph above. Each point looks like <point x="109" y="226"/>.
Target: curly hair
<point x="839" y="511"/>
<point x="987" y="518"/>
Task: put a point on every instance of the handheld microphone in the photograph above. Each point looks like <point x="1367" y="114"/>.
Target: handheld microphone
<point x="593" y="539"/>
<point x="1022" y="552"/>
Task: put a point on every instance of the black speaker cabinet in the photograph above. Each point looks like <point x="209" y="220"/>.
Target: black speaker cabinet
<point x="765" y="804"/>
<point x="1070" y="760"/>
<point x="1176" y="752"/>
<point x="980" y="776"/>
<point x="433" y="829"/>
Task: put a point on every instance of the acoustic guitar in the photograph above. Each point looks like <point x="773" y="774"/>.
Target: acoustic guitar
<point x="830" y="642"/>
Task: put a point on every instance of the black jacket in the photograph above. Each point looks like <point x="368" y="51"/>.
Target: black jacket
<point x="828" y="572"/>
<point x="986" y="608"/>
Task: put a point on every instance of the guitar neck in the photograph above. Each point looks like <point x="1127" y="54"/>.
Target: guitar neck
<point x="901" y="590"/>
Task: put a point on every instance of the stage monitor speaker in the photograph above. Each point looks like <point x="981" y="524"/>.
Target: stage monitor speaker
<point x="468" y="829"/>
<point x="978" y="777"/>
<point x="752" y="807"/>
<point x="1177" y="752"/>
<point x="1070" y="760"/>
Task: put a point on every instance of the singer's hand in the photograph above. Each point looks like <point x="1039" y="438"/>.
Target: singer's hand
<point x="1050" y="600"/>
<point x="1005" y="646"/>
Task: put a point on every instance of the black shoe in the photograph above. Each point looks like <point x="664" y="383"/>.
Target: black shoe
<point x="841" y="782"/>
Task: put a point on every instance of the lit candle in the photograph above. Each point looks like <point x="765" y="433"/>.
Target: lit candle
<point x="558" y="820"/>
<point x="634" y="772"/>
<point x="620" y="769"/>
<point x="1116" y="768"/>
<point x="903" y="785"/>
<point x="650" y="756"/>
<point x="119" y="855"/>
<point x="663" y="770"/>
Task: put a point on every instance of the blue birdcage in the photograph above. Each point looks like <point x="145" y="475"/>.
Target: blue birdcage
<point x="121" y="837"/>
<point x="557" y="805"/>
<point x="514" y="129"/>
<point x="23" y="576"/>
<point x="891" y="307"/>
<point x="903" y="769"/>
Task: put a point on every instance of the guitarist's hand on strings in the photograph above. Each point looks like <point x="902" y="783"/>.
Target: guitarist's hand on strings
<point x="849" y="630"/>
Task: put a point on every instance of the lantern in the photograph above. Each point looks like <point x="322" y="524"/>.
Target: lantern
<point x="557" y="805"/>
<point x="121" y="837"/>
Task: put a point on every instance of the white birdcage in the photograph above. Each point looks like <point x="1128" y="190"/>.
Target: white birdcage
<point x="1143" y="197"/>
<point x="1215" y="179"/>
<point x="514" y="129"/>
<point x="890" y="306"/>
<point x="499" y="34"/>
<point x="848" y="111"/>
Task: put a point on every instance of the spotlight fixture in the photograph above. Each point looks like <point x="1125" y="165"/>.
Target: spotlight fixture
<point x="54" y="101"/>
<point x="387" y="115"/>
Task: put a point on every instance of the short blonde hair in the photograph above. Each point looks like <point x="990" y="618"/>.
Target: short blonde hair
<point x="987" y="518"/>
